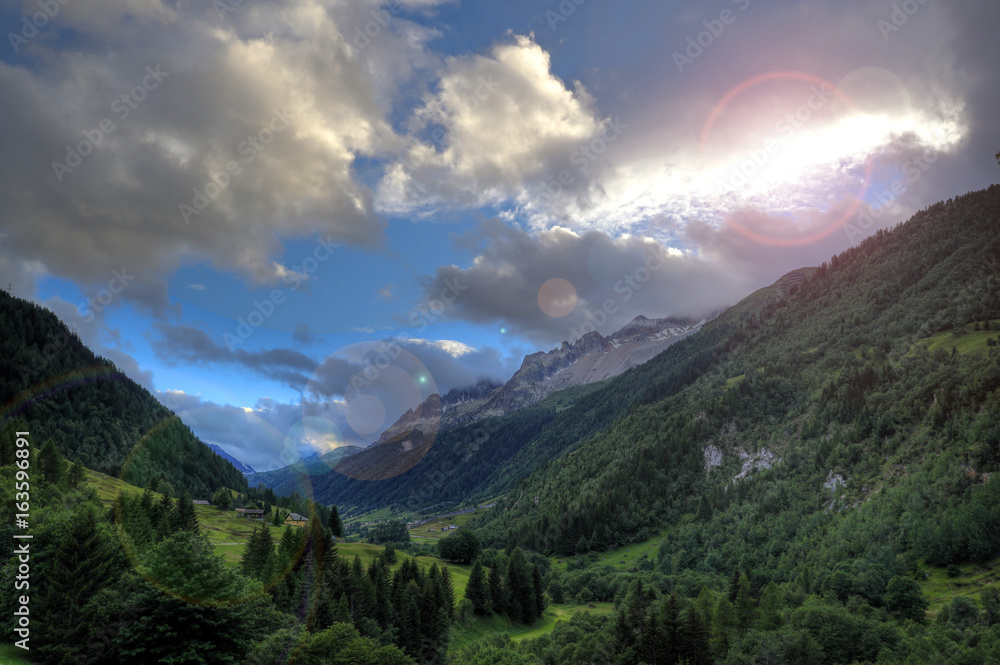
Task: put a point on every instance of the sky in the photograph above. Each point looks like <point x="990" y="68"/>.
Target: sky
<point x="293" y="220"/>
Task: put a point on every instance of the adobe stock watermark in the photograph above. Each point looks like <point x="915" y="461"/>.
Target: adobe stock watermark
<point x="381" y="18"/>
<point x="900" y="16"/>
<point x="122" y="107"/>
<point x="626" y="287"/>
<point x="485" y="87"/>
<point x="698" y="44"/>
<point x="249" y="149"/>
<point x="118" y="282"/>
<point x="223" y="7"/>
<point x="264" y="309"/>
<point x="785" y="129"/>
<point x="582" y="158"/>
<point x="30" y="26"/>
<point x="913" y="170"/>
<point x="425" y="314"/>
<point x="566" y="9"/>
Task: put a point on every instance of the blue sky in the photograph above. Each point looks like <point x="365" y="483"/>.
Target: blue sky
<point x="243" y="209"/>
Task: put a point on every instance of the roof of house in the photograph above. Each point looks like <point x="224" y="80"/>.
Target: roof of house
<point x="295" y="517"/>
<point x="200" y="502"/>
<point x="250" y="511"/>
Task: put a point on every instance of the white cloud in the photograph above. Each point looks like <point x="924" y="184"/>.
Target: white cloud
<point x="501" y="120"/>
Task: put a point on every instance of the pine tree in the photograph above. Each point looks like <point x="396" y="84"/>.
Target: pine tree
<point x="770" y="608"/>
<point x="184" y="517"/>
<point x="539" y="591"/>
<point x="342" y="614"/>
<point x="744" y="605"/>
<point x="723" y="620"/>
<point x="521" y="602"/>
<point x="476" y="591"/>
<point x="258" y="554"/>
<point x="51" y="463"/>
<point x="694" y="639"/>
<point x="448" y="592"/>
<point x="334" y="523"/>
<point x="85" y="560"/>
<point x="76" y="475"/>
<point x="497" y="591"/>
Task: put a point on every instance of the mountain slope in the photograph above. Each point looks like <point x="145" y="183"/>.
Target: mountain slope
<point x="245" y="469"/>
<point x="822" y="401"/>
<point x="591" y="358"/>
<point x="95" y="414"/>
<point x="286" y="480"/>
<point x="481" y="459"/>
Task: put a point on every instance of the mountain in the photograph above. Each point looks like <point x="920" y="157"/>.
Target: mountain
<point x="471" y="457"/>
<point x="848" y="419"/>
<point x="591" y="359"/>
<point x="287" y="479"/>
<point x="58" y="389"/>
<point x="240" y="466"/>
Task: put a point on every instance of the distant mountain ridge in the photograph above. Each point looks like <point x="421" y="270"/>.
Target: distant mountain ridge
<point x="245" y="469"/>
<point x="590" y="359"/>
<point x="573" y="365"/>
<point x="285" y="480"/>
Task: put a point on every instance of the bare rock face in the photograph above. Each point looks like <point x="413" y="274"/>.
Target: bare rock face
<point x="590" y="358"/>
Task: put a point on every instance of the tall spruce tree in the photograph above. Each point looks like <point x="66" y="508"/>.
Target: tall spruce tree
<point x="334" y="523"/>
<point x="476" y="591"/>
<point x="184" y="517"/>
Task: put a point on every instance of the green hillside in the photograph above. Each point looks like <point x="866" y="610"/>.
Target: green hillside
<point x="93" y="412"/>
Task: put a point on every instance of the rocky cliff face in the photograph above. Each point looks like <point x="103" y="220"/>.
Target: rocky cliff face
<point x="591" y="358"/>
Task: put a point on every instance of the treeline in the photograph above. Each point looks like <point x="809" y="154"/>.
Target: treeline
<point x="511" y="588"/>
<point x="96" y="415"/>
<point x="657" y="621"/>
<point x="408" y="607"/>
<point x="140" y="583"/>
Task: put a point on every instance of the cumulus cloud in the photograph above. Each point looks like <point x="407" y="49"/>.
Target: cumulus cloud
<point x="268" y="435"/>
<point x="525" y="281"/>
<point x="400" y="373"/>
<point x="252" y="119"/>
<point x="494" y="124"/>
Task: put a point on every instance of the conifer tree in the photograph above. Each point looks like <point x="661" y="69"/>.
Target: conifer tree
<point x="497" y="591"/>
<point x="51" y="463"/>
<point x="539" y="591"/>
<point x="334" y="523"/>
<point x="184" y="517"/>
<point x="476" y="591"/>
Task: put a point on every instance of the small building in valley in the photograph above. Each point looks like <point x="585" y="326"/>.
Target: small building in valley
<point x="250" y="513"/>
<point x="294" y="519"/>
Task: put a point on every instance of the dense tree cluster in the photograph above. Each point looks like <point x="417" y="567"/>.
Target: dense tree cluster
<point x="512" y="588"/>
<point x="460" y="547"/>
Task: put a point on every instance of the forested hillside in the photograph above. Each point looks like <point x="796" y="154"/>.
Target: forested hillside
<point x="93" y="412"/>
<point x="837" y="380"/>
<point x="831" y="473"/>
<point x="478" y="461"/>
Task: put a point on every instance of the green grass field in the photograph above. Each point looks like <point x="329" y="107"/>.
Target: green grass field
<point x="479" y="627"/>
<point x="622" y="557"/>
<point x="422" y="533"/>
<point x="940" y="589"/>
<point x="971" y="341"/>
<point x="230" y="533"/>
<point x="12" y="655"/>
